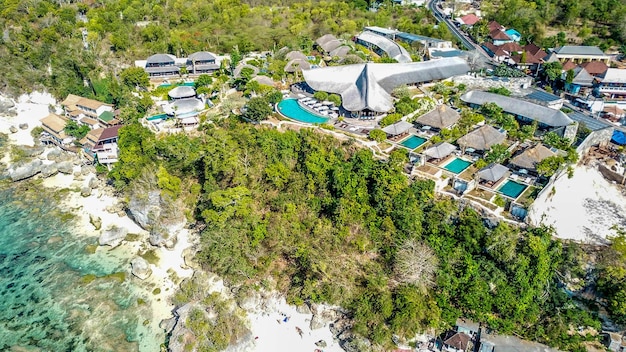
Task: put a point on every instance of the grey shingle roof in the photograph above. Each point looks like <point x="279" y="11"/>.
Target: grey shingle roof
<point x="200" y="56"/>
<point x="393" y="49"/>
<point x="368" y="86"/>
<point x="482" y="138"/>
<point x="442" y="116"/>
<point x="160" y="59"/>
<point x="578" y="50"/>
<point x="292" y="55"/>
<point x="547" y="116"/>
<point x="493" y="172"/>
<point x="297" y="64"/>
<point x="439" y="150"/>
<point x="341" y="51"/>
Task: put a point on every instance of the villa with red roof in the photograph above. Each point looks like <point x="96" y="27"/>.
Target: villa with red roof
<point x="468" y="20"/>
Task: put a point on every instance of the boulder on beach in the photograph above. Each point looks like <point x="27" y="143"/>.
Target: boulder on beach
<point x="162" y="218"/>
<point x="54" y="154"/>
<point x="13" y="129"/>
<point x="49" y="170"/>
<point x="65" y="167"/>
<point x="7" y="106"/>
<point x="140" y="268"/>
<point x="96" y="221"/>
<point x="23" y="126"/>
<point x="112" y="236"/>
<point x="26" y="171"/>
<point x="85" y="191"/>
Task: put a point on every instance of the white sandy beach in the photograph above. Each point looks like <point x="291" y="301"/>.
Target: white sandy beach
<point x="30" y="109"/>
<point x="583" y="208"/>
<point x="275" y="335"/>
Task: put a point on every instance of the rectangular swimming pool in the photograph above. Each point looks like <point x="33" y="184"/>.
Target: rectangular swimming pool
<point x="512" y="189"/>
<point x="457" y="165"/>
<point x="413" y="142"/>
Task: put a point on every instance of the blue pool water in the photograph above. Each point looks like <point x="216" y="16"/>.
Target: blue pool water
<point x="50" y="296"/>
<point x="291" y="109"/>
<point x="157" y="117"/>
<point x="457" y="165"/>
<point x="512" y="189"/>
<point x="413" y="142"/>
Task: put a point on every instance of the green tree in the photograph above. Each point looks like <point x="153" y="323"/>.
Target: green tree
<point x="378" y="135"/>
<point x="320" y="95"/>
<point x="77" y="131"/>
<point x="550" y="165"/>
<point x="135" y="77"/>
<point x="497" y="154"/>
<point x="203" y="80"/>
<point x="257" y="109"/>
<point x="335" y="99"/>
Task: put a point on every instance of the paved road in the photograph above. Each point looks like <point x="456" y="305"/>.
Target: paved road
<point x="432" y="6"/>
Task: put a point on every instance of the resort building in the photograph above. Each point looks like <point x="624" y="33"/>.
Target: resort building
<point x="398" y="129"/>
<point x="492" y="174"/>
<point x="439" y="150"/>
<point x="105" y="148"/>
<point x="167" y="65"/>
<point x="612" y="83"/>
<point x="530" y="157"/>
<point x="159" y="65"/>
<point x="383" y="32"/>
<point x="296" y="61"/>
<point x="481" y="139"/>
<point x="54" y="130"/>
<point x="580" y="54"/>
<point x="331" y="46"/>
<point x="366" y="88"/>
<point x="441" y="117"/>
<point x="201" y="62"/>
<point x="499" y="37"/>
<point x="382" y="46"/>
<point x="181" y="92"/>
<point x="89" y="111"/>
<point x="523" y="110"/>
<point x="581" y="83"/>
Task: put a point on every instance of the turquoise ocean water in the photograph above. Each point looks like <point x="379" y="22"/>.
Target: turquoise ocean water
<point x="55" y="295"/>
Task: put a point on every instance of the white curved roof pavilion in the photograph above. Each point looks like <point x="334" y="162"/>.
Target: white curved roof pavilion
<point x="369" y="86"/>
<point x="182" y="92"/>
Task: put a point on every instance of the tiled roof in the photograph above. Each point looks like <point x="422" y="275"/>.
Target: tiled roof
<point x="470" y="19"/>
<point x="498" y="35"/>
<point x="595" y="68"/>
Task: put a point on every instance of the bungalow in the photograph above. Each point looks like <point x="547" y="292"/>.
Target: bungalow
<point x="468" y="20"/>
<point x="441" y="117"/>
<point x="492" y="174"/>
<point x="458" y="342"/>
<point x="499" y="37"/>
<point x="530" y="157"/>
<point x="523" y="110"/>
<point x="54" y="128"/>
<point x="331" y="46"/>
<point x="439" y="151"/>
<point x="482" y="138"/>
<point x="580" y="54"/>
<point x="595" y="68"/>
<point x="502" y="52"/>
<point x="398" y="129"/>
<point x="493" y="25"/>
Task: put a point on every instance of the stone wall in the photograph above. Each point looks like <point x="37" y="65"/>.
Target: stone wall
<point x="600" y="137"/>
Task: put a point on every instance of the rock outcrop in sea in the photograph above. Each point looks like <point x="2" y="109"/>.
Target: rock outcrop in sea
<point x="162" y="217"/>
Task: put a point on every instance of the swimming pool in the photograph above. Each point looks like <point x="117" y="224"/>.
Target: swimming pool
<point x="413" y="142"/>
<point x="157" y="117"/>
<point x="512" y="189"/>
<point x="291" y="109"/>
<point x="457" y="165"/>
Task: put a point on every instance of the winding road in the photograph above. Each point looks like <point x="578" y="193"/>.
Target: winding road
<point x="433" y="6"/>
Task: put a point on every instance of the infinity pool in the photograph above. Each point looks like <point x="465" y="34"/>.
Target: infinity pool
<point x="512" y="189"/>
<point x="457" y="165"/>
<point x="413" y="142"/>
<point x="291" y="109"/>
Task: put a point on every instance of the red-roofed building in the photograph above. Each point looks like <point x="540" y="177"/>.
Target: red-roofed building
<point x="495" y="26"/>
<point x="469" y="20"/>
<point x="535" y="51"/>
<point x="498" y="37"/>
<point x="106" y="146"/>
<point x="595" y="68"/>
<point x="569" y="65"/>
